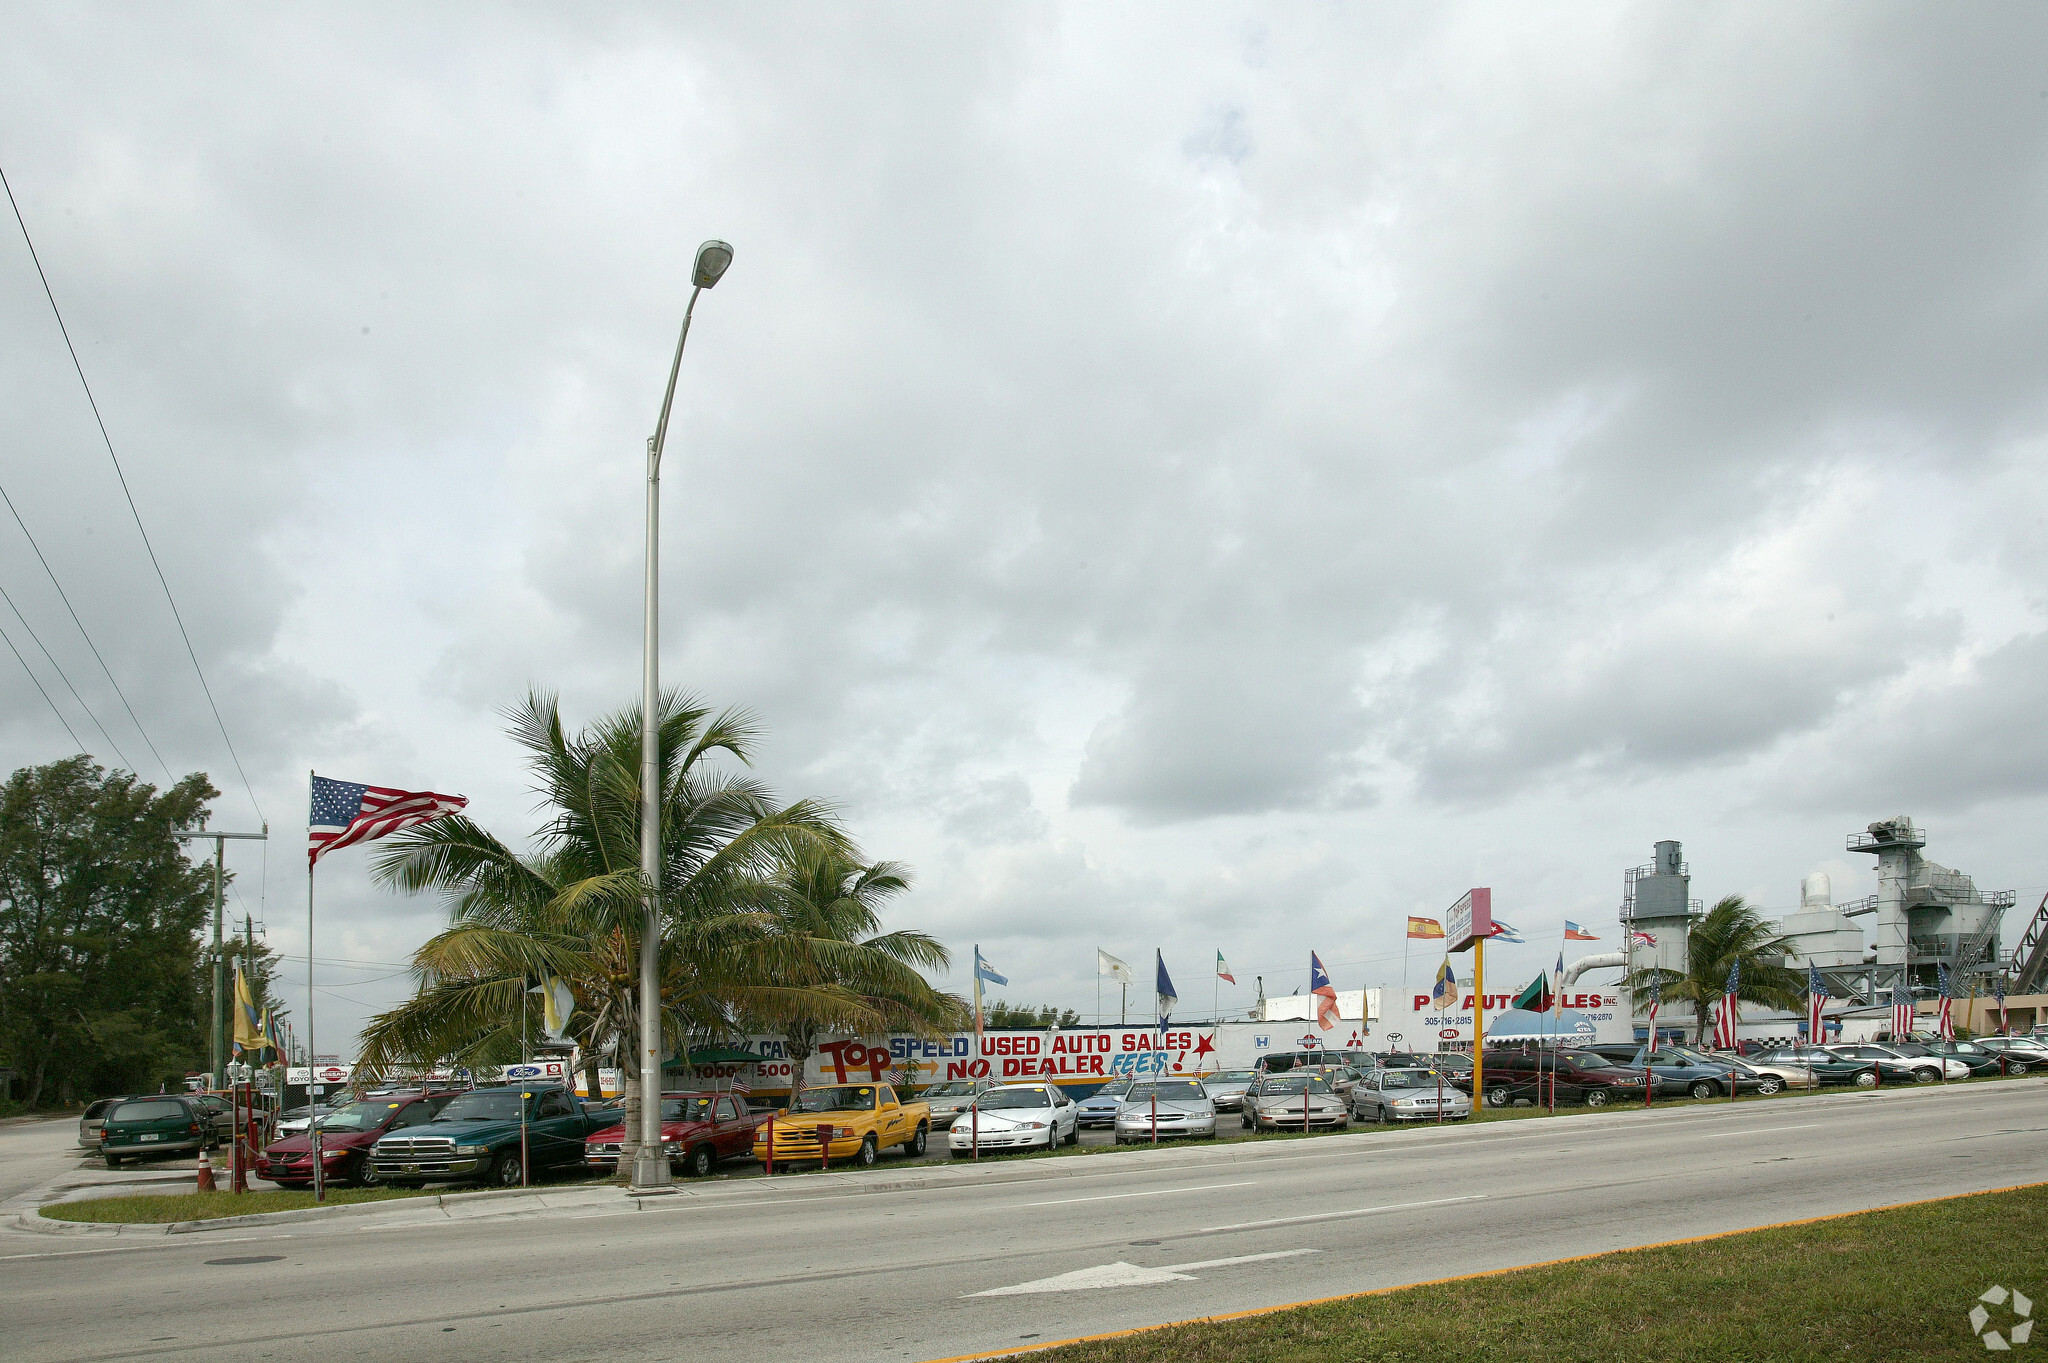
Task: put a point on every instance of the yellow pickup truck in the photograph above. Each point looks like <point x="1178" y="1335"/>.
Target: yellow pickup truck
<point x="863" y="1118"/>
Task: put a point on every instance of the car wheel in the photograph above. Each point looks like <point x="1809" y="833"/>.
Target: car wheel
<point x="1769" y="1085"/>
<point x="867" y="1156"/>
<point x="1074" y="1136"/>
<point x="918" y="1144"/>
<point x="1924" y="1075"/>
<point x="115" y="1161"/>
<point x="1498" y="1098"/>
<point x="1866" y="1079"/>
<point x="363" y="1174"/>
<point x="506" y="1171"/>
<point x="1246" y="1123"/>
<point x="1704" y="1088"/>
<point x="2016" y="1067"/>
<point x="1596" y="1097"/>
<point x="702" y="1160"/>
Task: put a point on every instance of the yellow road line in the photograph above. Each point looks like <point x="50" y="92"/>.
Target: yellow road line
<point x="1468" y="1277"/>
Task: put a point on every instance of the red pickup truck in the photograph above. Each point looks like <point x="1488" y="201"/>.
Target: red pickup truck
<point x="697" y="1130"/>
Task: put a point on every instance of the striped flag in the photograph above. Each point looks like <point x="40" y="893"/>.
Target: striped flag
<point x="1816" y="999"/>
<point x="345" y="812"/>
<point x="1998" y="987"/>
<point x="739" y="1083"/>
<point x="1574" y="933"/>
<point x="1902" y="1013"/>
<point x="1642" y="939"/>
<point x="1325" y="992"/>
<point x="1223" y="968"/>
<point x="1656" y="997"/>
<point x="1424" y="927"/>
<point x="1945" y="1021"/>
<point x="1725" y="1024"/>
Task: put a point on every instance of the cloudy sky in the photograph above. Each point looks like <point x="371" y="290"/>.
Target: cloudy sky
<point x="1198" y="477"/>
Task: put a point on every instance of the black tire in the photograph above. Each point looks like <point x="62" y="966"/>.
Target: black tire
<point x="506" y="1171"/>
<point x="1704" y="1088"/>
<point x="362" y="1173"/>
<point x="868" y="1154"/>
<point x="917" y="1144"/>
<point x="2016" y="1067"/>
<point x="1074" y="1136"/>
<point x="1499" y="1098"/>
<point x="115" y="1161"/>
<point x="1866" y="1079"/>
<point x="1926" y="1075"/>
<point x="702" y="1160"/>
<point x="1769" y="1084"/>
<point x="1596" y="1098"/>
<point x="1247" y="1123"/>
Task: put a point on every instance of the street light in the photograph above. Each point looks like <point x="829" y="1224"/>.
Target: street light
<point x="650" y="1165"/>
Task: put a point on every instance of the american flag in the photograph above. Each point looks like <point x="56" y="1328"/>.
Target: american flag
<point x="1945" y="1021"/>
<point x="1656" y="997"/>
<point x="1998" y="987"/>
<point x="1902" y="1013"/>
<point x="345" y="812"/>
<point x="739" y="1083"/>
<point x="1724" y="1025"/>
<point x="1816" y="999"/>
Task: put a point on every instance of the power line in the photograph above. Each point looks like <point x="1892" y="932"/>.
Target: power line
<point x="39" y="686"/>
<point x="65" y="597"/>
<point x="122" y="476"/>
<point x="67" y="682"/>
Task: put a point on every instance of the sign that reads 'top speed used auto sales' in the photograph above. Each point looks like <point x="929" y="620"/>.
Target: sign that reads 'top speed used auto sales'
<point x="1469" y="920"/>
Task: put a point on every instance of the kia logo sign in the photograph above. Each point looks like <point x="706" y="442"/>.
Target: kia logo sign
<point x="1449" y="1034"/>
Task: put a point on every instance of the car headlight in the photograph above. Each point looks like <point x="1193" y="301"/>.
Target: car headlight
<point x="472" y="1149"/>
<point x="1032" y="1126"/>
<point x="671" y="1148"/>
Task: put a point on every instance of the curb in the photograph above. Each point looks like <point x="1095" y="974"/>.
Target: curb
<point x="36" y="1222"/>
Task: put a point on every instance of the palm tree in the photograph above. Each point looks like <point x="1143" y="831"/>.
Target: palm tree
<point x="1731" y="931"/>
<point x="825" y="910"/>
<point x="572" y="907"/>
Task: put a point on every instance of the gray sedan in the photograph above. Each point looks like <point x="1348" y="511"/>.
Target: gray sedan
<point x="1227" y="1087"/>
<point x="1407" y="1096"/>
<point x="1300" y="1099"/>
<point x="1163" y="1109"/>
<point x="950" y="1099"/>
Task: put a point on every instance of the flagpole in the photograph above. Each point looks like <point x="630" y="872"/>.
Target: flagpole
<point x="312" y="1108"/>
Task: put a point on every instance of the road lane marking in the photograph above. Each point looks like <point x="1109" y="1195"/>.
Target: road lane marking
<point x="1155" y="1192"/>
<point x="1752" y="1131"/>
<point x="1122" y="1274"/>
<point x="1361" y="1211"/>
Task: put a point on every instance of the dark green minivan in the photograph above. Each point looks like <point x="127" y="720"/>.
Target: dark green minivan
<point x="151" y="1128"/>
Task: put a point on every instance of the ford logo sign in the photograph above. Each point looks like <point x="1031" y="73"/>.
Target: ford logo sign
<point x="523" y="1071"/>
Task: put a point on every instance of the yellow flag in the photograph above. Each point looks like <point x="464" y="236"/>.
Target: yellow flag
<point x="248" y="1024"/>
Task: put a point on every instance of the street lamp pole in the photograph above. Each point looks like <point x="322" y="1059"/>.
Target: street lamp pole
<point x="650" y="1165"/>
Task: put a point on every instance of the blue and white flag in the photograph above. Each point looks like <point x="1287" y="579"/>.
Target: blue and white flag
<point x="984" y="971"/>
<point x="1167" y="998"/>
<point x="1505" y="933"/>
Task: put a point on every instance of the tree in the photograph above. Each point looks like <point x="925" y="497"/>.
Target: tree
<point x="1731" y="931"/>
<point x="1000" y="1014"/>
<point x="572" y="907"/>
<point x="825" y="912"/>
<point x="102" y="988"/>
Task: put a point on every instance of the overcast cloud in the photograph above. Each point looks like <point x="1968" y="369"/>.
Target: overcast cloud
<point x="1199" y="477"/>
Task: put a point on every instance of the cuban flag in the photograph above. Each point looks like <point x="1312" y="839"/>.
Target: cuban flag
<point x="1816" y="999"/>
<point x="1945" y="1020"/>
<point x="1725" y="1023"/>
<point x="1902" y="1013"/>
<point x="1326" y="993"/>
<point x="1505" y="933"/>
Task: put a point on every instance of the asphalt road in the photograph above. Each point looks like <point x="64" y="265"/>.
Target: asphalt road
<point x="820" y="1268"/>
<point x="35" y="1150"/>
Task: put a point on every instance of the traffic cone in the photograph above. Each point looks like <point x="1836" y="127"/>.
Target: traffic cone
<point x="206" y="1183"/>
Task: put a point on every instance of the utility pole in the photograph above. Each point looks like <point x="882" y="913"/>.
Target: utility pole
<point x="220" y="960"/>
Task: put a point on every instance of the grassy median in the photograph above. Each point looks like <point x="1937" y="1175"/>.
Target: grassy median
<point x="1879" y="1286"/>
<point x="162" y="1208"/>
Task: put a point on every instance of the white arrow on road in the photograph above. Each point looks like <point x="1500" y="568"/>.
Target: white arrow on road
<point x="1121" y="1274"/>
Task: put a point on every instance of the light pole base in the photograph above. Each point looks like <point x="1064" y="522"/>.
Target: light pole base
<point x="651" y="1174"/>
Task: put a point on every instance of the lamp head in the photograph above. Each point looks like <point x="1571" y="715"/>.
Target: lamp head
<point x="713" y="259"/>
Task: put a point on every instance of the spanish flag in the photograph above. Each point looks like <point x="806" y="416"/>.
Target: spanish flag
<point x="1425" y="927"/>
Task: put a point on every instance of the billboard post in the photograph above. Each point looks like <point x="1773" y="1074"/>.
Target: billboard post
<point x="1468" y="924"/>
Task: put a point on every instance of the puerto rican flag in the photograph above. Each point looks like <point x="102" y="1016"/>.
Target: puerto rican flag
<point x="345" y="812"/>
<point x="1725" y="1023"/>
<point x="1325" y="992"/>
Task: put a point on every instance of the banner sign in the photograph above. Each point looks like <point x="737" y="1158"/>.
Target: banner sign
<point x="1469" y="920"/>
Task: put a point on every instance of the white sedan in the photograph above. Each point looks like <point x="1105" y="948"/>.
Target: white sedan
<point x="1016" y="1117"/>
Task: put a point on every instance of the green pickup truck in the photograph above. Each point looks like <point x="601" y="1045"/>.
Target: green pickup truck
<point x="479" y="1138"/>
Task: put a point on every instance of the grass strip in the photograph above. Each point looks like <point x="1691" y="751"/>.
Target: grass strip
<point x="1896" y="1284"/>
<point x="161" y="1208"/>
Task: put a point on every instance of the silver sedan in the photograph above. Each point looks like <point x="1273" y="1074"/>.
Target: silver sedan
<point x="1226" y="1088"/>
<point x="1164" y="1109"/>
<point x="1407" y="1096"/>
<point x="1298" y="1099"/>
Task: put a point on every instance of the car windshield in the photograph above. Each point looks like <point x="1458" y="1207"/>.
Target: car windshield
<point x="1172" y="1091"/>
<point x="845" y="1098"/>
<point x="1000" y="1098"/>
<point x="1408" y="1079"/>
<point x="952" y="1088"/>
<point x="1586" y="1060"/>
<point x="153" y="1110"/>
<point x="483" y="1105"/>
<point x="358" y="1116"/>
<point x="1294" y="1083"/>
<point x="1910" y="1048"/>
<point x="1232" y="1077"/>
<point x="688" y="1107"/>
